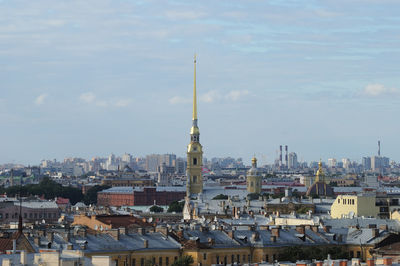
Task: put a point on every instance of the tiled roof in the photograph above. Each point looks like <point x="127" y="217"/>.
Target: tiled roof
<point x="121" y="220"/>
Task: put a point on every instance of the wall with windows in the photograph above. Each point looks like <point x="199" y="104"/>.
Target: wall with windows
<point x="358" y="205"/>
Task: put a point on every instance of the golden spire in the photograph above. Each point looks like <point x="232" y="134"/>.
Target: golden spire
<point x="254" y="161"/>
<point x="194" y="91"/>
<point x="320" y="172"/>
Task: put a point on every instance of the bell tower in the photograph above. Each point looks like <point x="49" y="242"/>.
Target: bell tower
<point x="194" y="183"/>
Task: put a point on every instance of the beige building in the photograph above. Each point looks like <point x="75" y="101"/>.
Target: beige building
<point x="346" y="206"/>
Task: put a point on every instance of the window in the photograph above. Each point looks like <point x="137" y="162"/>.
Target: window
<point x="30" y="215"/>
<point x="225" y="260"/>
<point x="175" y="258"/>
<point x="358" y="254"/>
<point x="249" y="258"/>
<point x="194" y="161"/>
<point x="160" y="261"/>
<point x="194" y="179"/>
<point x="217" y="259"/>
<point x="1" y="216"/>
<point x="133" y="262"/>
<point x="266" y="258"/>
<point x="6" y="215"/>
<point x="232" y="259"/>
<point x="25" y="215"/>
<point x="142" y="262"/>
<point x="251" y="184"/>
<point x="274" y="257"/>
<point x="238" y="258"/>
<point x="167" y="261"/>
<point x="338" y="201"/>
<point x="351" y="254"/>
<point x="204" y="256"/>
<point x="244" y="258"/>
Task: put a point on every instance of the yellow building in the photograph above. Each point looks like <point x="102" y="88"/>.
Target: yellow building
<point x="354" y="205"/>
<point x="194" y="150"/>
<point x="254" y="179"/>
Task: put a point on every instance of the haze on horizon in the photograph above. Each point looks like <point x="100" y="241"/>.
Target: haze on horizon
<point x="87" y="78"/>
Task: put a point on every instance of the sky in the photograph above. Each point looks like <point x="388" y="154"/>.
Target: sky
<point x="90" y="78"/>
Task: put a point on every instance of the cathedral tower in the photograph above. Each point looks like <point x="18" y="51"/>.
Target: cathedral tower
<point x="253" y="178"/>
<point x="195" y="150"/>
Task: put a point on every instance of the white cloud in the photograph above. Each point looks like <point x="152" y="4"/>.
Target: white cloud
<point x="91" y="98"/>
<point x="40" y="99"/>
<point x="236" y="94"/>
<point x="376" y="90"/>
<point x="184" y="14"/>
<point x="123" y="102"/>
<point x="179" y="99"/>
<point x="88" y="97"/>
<point x="210" y="96"/>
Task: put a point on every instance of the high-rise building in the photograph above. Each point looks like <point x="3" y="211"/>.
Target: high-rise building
<point x="332" y="162"/>
<point x="293" y="163"/>
<point x="194" y="150"/>
<point x="366" y="163"/>
<point x="346" y="163"/>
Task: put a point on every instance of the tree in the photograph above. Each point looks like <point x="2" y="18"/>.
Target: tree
<point x="183" y="261"/>
<point x="176" y="206"/>
<point x="91" y="195"/>
<point x="155" y="208"/>
<point x="221" y="197"/>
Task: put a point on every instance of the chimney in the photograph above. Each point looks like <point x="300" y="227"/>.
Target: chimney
<point x="50" y="236"/>
<point x="280" y="155"/>
<point x="372" y="226"/>
<point x="370" y="262"/>
<point x="273" y="239"/>
<point x="179" y="233"/>
<point x="142" y="231"/>
<point x="122" y="230"/>
<point x="343" y="263"/>
<point x="14" y="243"/>
<point x="275" y="231"/>
<point x="318" y="263"/>
<point x="383" y="227"/>
<point x="379" y="148"/>
<point x="211" y="241"/>
<point x="255" y="236"/>
<point x="114" y="233"/>
<point x="83" y="246"/>
<point x="70" y="246"/>
<point x="66" y="236"/>
<point x="314" y="228"/>
<point x="286" y="156"/>
<point x="375" y="232"/>
<point x="327" y="228"/>
<point x="300" y="229"/>
<point x="231" y="234"/>
<point x="36" y="240"/>
<point x="24" y="257"/>
<point x="146" y="243"/>
<point x="387" y="261"/>
<point x="162" y="229"/>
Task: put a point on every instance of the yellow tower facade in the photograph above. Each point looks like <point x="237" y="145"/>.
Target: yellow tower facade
<point x="253" y="179"/>
<point x="194" y="150"/>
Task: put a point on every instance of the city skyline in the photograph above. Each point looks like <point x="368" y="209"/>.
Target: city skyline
<point x="80" y="79"/>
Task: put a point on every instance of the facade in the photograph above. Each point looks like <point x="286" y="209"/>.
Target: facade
<point x="128" y="182"/>
<point x="194" y="150"/>
<point x="31" y="211"/>
<point x="253" y="179"/>
<point x="354" y="206"/>
<point x="106" y="222"/>
<point x="146" y="196"/>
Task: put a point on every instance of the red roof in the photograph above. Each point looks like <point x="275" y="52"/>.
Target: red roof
<point x="61" y="200"/>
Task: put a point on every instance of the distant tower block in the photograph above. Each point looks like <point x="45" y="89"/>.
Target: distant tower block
<point x="379" y="148"/>
<point x="286" y="156"/>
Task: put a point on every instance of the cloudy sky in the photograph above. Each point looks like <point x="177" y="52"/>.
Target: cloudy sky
<point x="87" y="78"/>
